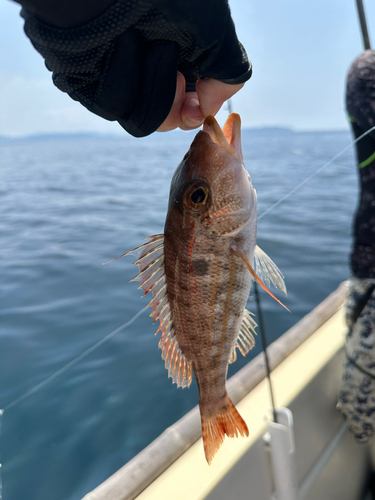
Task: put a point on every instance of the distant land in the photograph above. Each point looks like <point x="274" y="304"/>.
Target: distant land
<point x="95" y="135"/>
<point x="58" y="136"/>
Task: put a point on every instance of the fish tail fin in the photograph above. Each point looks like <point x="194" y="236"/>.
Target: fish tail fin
<point x="226" y="421"/>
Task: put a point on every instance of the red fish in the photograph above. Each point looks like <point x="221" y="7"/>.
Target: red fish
<point x="198" y="274"/>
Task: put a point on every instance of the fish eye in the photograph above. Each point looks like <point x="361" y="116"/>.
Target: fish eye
<point x="196" y="195"/>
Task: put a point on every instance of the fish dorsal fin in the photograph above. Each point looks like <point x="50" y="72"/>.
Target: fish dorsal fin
<point x="152" y="278"/>
<point x="267" y="270"/>
<point x="245" y="340"/>
<point x="245" y="260"/>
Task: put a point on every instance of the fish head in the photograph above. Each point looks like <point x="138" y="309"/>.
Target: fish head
<point x="211" y="188"/>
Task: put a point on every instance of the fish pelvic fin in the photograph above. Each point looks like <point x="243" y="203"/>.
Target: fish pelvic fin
<point x="245" y="340"/>
<point x="227" y="421"/>
<point x="245" y="260"/>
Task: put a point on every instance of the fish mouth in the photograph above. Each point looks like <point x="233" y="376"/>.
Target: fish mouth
<point x="229" y="138"/>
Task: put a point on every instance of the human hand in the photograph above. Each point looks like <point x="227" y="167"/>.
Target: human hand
<point x="189" y="109"/>
<point x="127" y="71"/>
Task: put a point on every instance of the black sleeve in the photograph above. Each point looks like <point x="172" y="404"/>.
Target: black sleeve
<point x="360" y="91"/>
<point x="360" y="103"/>
<point x="122" y="64"/>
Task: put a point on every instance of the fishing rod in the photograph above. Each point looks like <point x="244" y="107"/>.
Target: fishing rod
<point x="363" y="23"/>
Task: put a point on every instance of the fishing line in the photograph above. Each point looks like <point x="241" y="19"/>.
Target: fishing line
<point x="256" y="292"/>
<point x="265" y="345"/>
<point x="286" y="196"/>
<point x="71" y="363"/>
<point x="91" y="349"/>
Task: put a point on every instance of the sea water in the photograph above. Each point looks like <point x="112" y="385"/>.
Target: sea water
<point x="67" y="206"/>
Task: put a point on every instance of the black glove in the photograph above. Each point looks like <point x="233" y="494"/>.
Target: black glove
<point x="123" y="64"/>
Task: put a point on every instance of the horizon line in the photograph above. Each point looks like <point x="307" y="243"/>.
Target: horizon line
<point x="264" y="128"/>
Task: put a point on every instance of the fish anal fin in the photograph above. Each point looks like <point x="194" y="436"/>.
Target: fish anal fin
<point x="227" y="421"/>
<point x="245" y="260"/>
<point x="245" y="340"/>
<point x="179" y="368"/>
<point x="267" y="270"/>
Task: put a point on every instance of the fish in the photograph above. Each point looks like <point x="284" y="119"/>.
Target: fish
<point x="200" y="272"/>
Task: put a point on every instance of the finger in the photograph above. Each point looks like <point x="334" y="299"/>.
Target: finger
<point x="191" y="113"/>
<point x="174" y="119"/>
<point x="212" y="94"/>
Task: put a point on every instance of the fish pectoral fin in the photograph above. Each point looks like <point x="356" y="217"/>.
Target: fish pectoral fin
<point x="245" y="340"/>
<point x="245" y="260"/>
<point x="267" y="270"/>
<point x="179" y="368"/>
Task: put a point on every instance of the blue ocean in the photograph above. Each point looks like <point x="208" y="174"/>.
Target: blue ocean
<point x="67" y="205"/>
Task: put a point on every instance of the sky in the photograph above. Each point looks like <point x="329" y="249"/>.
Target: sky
<point x="300" y="50"/>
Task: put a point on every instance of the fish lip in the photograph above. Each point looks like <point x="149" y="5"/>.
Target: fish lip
<point x="212" y="128"/>
<point x="229" y="138"/>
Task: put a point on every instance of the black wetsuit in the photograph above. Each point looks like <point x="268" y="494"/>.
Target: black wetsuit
<point x="360" y="102"/>
<point x="120" y="58"/>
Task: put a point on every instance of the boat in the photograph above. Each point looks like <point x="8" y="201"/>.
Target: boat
<point x="306" y="362"/>
<point x="302" y="449"/>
